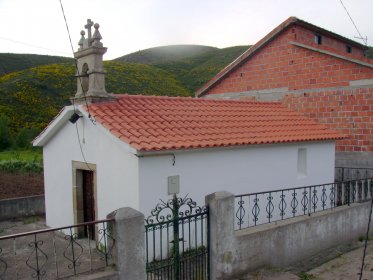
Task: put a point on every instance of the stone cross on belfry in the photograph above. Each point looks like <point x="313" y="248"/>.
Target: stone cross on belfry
<point x="88" y="26"/>
<point x="92" y="40"/>
<point x="90" y="68"/>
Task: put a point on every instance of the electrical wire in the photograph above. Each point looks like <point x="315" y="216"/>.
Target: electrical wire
<point x="366" y="240"/>
<point x="81" y="84"/>
<point x="361" y="36"/>
<point x="76" y="63"/>
<point x="31" y="45"/>
<point x="81" y="148"/>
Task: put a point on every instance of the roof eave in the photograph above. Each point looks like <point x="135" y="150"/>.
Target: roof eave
<point x="54" y="127"/>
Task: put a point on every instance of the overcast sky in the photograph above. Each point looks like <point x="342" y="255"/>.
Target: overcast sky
<point x="38" y="27"/>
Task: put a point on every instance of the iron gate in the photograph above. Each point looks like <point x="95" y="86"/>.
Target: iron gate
<point x="177" y="241"/>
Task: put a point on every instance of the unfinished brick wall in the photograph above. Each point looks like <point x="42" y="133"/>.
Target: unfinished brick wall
<point x="334" y="45"/>
<point x="281" y="64"/>
<point x="350" y="111"/>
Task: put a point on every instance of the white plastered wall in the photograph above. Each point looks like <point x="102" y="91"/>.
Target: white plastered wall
<point x="238" y="170"/>
<point x="117" y="171"/>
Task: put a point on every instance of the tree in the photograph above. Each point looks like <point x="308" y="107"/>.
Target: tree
<point x="5" y="135"/>
<point x="24" y="138"/>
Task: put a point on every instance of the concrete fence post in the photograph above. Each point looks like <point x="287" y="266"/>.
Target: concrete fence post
<point x="222" y="241"/>
<point x="129" y="250"/>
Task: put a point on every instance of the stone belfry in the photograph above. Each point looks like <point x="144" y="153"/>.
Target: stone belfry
<point x="90" y="73"/>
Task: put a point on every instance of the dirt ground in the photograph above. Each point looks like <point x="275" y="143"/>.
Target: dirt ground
<point x="20" y="184"/>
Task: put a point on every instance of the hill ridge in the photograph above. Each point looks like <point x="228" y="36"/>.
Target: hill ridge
<point x="36" y="89"/>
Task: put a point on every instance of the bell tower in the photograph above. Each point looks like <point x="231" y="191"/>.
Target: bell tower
<point x="90" y="74"/>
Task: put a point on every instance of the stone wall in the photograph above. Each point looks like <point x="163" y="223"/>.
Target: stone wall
<point x="233" y="253"/>
<point x="22" y="207"/>
<point x="280" y="244"/>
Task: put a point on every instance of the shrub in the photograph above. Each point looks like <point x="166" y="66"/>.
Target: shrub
<point x="24" y="138"/>
<point x="16" y="165"/>
<point x="5" y="135"/>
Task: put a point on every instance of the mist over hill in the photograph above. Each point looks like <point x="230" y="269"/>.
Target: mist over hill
<point x="192" y="65"/>
<point x="165" y="54"/>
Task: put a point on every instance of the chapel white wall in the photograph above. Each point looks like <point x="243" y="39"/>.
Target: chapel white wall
<point x="117" y="172"/>
<point x="237" y="170"/>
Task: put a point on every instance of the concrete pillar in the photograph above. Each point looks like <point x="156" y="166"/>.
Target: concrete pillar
<point x="129" y="250"/>
<point x="222" y="255"/>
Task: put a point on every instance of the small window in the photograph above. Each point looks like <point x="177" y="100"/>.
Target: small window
<point x="302" y="162"/>
<point x="348" y="49"/>
<point x="318" y="39"/>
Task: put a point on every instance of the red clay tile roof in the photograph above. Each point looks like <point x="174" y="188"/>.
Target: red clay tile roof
<point x="152" y="123"/>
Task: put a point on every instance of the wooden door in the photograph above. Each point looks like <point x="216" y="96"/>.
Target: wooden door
<point x="88" y="203"/>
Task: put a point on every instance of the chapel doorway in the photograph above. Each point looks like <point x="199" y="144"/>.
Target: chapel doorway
<point x="88" y="203"/>
<point x="85" y="199"/>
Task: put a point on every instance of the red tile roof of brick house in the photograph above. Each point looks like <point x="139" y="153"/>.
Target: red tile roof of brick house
<point x="152" y="123"/>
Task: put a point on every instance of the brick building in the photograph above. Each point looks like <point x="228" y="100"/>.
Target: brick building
<point x="311" y="70"/>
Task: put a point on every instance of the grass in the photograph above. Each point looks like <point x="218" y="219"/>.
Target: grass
<point x="23" y="155"/>
<point x="30" y="220"/>
<point x="363" y="237"/>
<point x="306" y="276"/>
<point x="21" y="161"/>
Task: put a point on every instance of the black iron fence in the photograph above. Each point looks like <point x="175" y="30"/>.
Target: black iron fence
<point x="58" y="252"/>
<point x="176" y="236"/>
<point x="271" y="206"/>
<point x="348" y="173"/>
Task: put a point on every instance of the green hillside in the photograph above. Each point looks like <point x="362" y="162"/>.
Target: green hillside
<point x="204" y="71"/>
<point x="32" y="91"/>
<point x="11" y="62"/>
<point x="135" y="78"/>
<point x="32" y="97"/>
<point x="191" y="65"/>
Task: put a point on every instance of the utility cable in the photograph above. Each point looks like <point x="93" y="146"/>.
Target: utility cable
<point x="361" y="36"/>
<point x="81" y="84"/>
<point x="366" y="240"/>
<point x="80" y="142"/>
<point x="76" y="63"/>
<point x="81" y="148"/>
<point x="31" y="45"/>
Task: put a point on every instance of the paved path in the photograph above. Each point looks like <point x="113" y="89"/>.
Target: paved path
<point x="345" y="266"/>
<point x="58" y="255"/>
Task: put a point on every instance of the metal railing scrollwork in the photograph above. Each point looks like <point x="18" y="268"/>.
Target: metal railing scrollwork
<point x="266" y="207"/>
<point x="57" y="252"/>
<point x="176" y="237"/>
